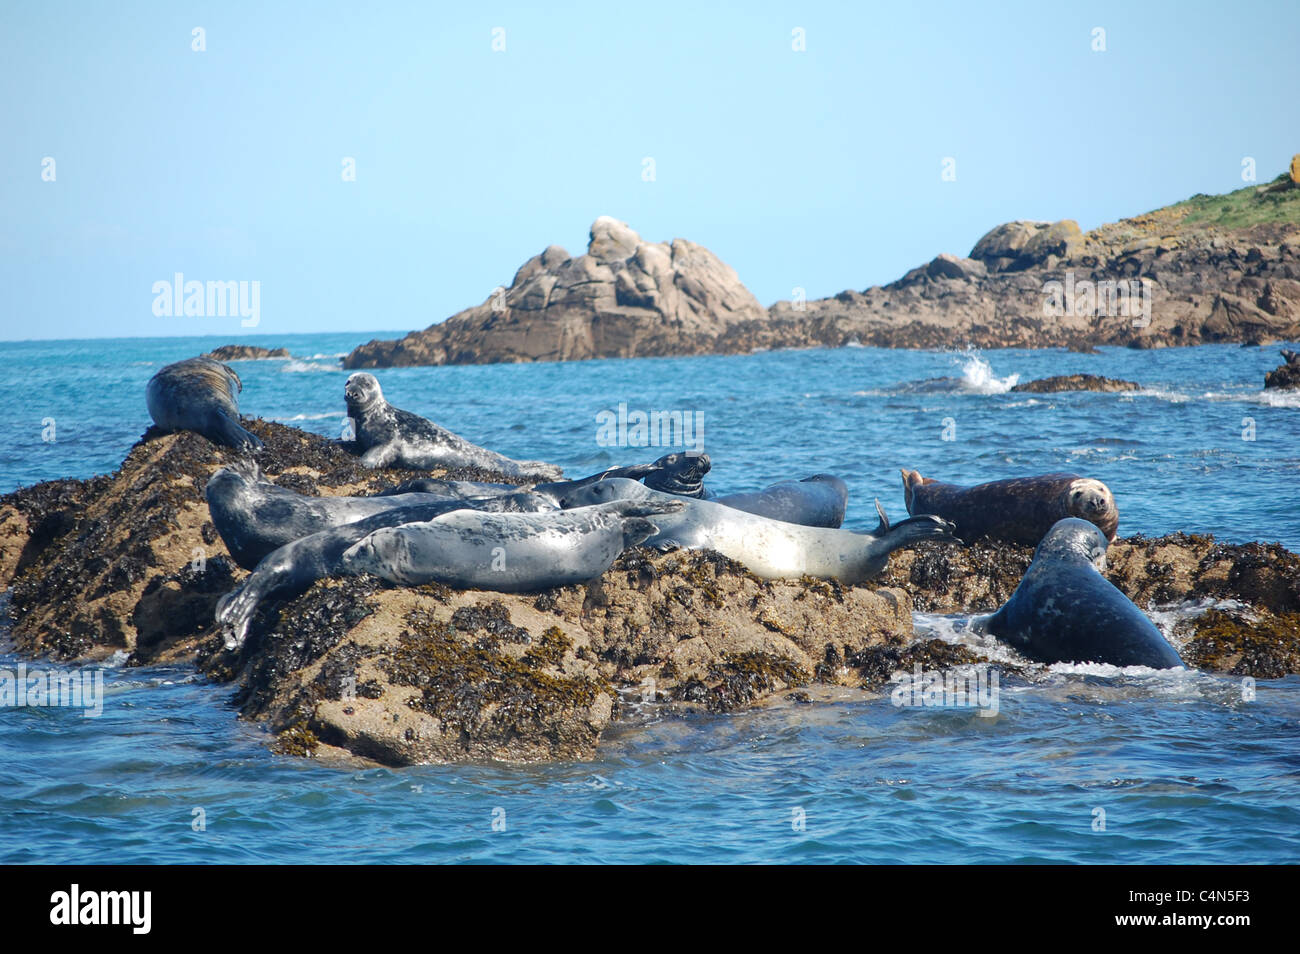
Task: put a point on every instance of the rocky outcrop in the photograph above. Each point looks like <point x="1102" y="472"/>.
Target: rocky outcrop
<point x="433" y="674"/>
<point x="1211" y="269"/>
<point x="623" y="298"/>
<point x="1017" y="246"/>
<point x="1286" y="375"/>
<point x="1101" y="289"/>
<point x="1076" y="382"/>
<point x="130" y="563"/>
<point x="235" y="352"/>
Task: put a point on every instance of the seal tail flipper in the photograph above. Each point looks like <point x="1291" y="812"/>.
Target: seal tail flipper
<point x="226" y="431"/>
<point x="882" y="528"/>
<point x="914" y="529"/>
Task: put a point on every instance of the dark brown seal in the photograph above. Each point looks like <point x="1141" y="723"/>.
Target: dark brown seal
<point x="1019" y="510"/>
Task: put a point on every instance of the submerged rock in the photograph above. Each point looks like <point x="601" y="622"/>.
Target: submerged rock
<point x="1076" y="382"/>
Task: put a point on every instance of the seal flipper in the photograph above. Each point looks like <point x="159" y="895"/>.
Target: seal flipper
<point x="381" y="455"/>
<point x="223" y="430"/>
<point x="637" y="530"/>
<point x="911" y="480"/>
<point x="921" y="527"/>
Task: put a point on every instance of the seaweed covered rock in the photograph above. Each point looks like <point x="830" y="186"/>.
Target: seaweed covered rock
<point x="1241" y="643"/>
<point x="98" y="564"/>
<point x="130" y="562"/>
<point x="1263" y="579"/>
<point x="432" y="674"/>
<point x="1287" y="374"/>
<point x="1076" y="382"/>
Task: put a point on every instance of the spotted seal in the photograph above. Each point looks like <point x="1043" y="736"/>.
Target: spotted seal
<point x="508" y="552"/>
<point x="255" y="517"/>
<point x="291" y="569"/>
<point x="1019" y="510"/>
<point x="772" y="549"/>
<point x="391" y="437"/>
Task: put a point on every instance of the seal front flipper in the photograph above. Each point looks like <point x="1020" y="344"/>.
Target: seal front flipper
<point x="379" y="456"/>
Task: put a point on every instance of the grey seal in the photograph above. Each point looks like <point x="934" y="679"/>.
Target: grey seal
<point x="772" y="549"/>
<point x="667" y="467"/>
<point x="255" y="517"/>
<point x="291" y="569"/>
<point x="1064" y="610"/>
<point x="200" y="394"/>
<point x="392" y="437"/>
<point x="816" y="501"/>
<point x="681" y="473"/>
<point x="1019" y="510"/>
<point x="508" y="552"/>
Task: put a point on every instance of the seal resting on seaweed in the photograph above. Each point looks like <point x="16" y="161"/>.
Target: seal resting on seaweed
<point x="200" y="394"/>
<point x="1019" y="510"/>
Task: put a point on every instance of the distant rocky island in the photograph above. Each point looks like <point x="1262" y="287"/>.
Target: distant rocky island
<point x="1210" y="269"/>
<point x="242" y="352"/>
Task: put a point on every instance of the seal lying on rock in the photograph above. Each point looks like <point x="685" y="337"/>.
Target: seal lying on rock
<point x="255" y="517"/>
<point x="294" y="567"/>
<point x="552" y="490"/>
<point x="1064" y="610"/>
<point x="681" y="473"/>
<point x="507" y="552"/>
<point x="816" y="501"/>
<point x="391" y="437"/>
<point x="1020" y="510"/>
<point x="769" y="548"/>
<point x="199" y="394"/>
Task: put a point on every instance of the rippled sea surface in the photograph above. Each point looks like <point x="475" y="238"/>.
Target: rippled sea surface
<point x="1079" y="764"/>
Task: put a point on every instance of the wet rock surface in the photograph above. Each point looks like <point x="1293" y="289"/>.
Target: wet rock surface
<point x="1076" y="382"/>
<point x="130" y="563"/>
<point x="1286" y="375"/>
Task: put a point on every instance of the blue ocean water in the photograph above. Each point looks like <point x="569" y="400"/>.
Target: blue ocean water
<point x="1180" y="767"/>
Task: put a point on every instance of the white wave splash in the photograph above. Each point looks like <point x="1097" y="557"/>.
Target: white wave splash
<point x="1268" y="398"/>
<point x="977" y="375"/>
<point x="296" y="366"/>
<point x="308" y="417"/>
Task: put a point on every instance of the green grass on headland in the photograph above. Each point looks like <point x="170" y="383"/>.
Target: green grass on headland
<point x="1243" y="208"/>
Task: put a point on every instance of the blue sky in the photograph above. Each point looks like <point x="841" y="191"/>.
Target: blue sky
<point x="819" y="169"/>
